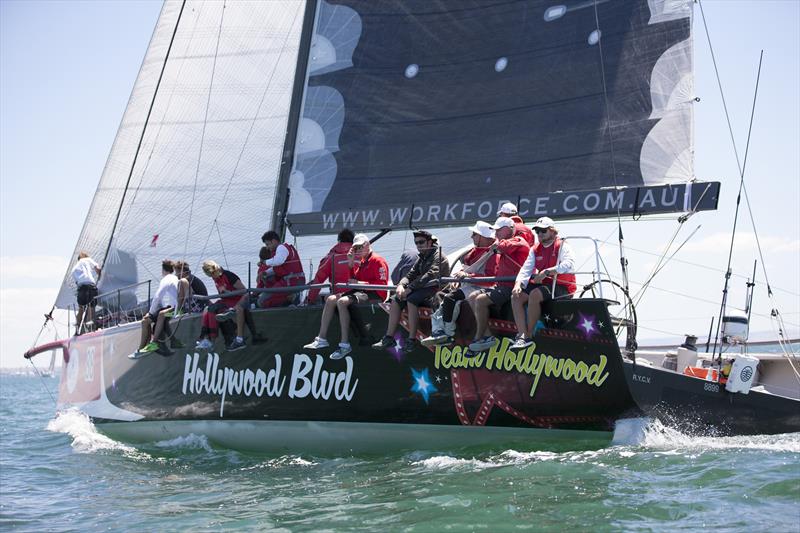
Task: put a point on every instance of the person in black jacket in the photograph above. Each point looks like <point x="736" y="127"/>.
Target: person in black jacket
<point x="416" y="289"/>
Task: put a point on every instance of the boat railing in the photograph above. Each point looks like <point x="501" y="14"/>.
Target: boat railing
<point x="122" y="305"/>
<point x="596" y="273"/>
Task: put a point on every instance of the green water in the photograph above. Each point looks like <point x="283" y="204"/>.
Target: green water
<point x="59" y="474"/>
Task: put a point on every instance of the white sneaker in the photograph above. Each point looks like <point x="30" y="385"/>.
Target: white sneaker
<point x="316" y="344"/>
<point x="204" y="344"/>
<point x="521" y="342"/>
<point x="344" y="349"/>
<point x="484" y="343"/>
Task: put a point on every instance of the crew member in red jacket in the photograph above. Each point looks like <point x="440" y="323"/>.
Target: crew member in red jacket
<point x="510" y="210"/>
<point x="552" y="257"/>
<point x="334" y="266"/>
<point x="366" y="268"/>
<point x="286" y="266"/>
<point x="513" y="250"/>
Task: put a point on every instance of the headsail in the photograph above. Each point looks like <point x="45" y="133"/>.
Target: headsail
<point x="435" y="112"/>
<point x="203" y="182"/>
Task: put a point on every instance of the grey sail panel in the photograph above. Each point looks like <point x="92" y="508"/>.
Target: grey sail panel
<point x="204" y="179"/>
<point x="445" y="106"/>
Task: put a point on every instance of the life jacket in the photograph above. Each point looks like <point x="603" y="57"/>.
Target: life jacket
<point x="292" y="269"/>
<point x="489" y="268"/>
<point x="224" y="284"/>
<point x="548" y="258"/>
<point x="522" y="230"/>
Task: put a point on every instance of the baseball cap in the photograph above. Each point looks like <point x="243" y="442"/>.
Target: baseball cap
<point x="544" y="223"/>
<point x="484" y="229"/>
<point x="507" y="209"/>
<point x="503" y="222"/>
<point x="360" y="240"/>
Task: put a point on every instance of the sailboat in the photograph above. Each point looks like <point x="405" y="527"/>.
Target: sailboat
<point x="308" y="117"/>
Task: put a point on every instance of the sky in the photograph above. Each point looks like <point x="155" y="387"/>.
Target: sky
<point x="67" y="69"/>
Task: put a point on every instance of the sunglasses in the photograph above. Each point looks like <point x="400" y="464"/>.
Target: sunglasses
<point x="357" y="247"/>
<point x="420" y="242"/>
<point x="541" y="230"/>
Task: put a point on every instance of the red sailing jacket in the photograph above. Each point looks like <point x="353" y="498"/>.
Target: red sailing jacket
<point x="226" y="283"/>
<point x="522" y="230"/>
<point x="374" y="270"/>
<point x="335" y="263"/>
<point x="548" y="258"/>
<point x="292" y="269"/>
<point x="489" y="268"/>
<point x="513" y="253"/>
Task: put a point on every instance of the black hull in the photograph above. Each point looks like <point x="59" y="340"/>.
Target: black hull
<point x="698" y="407"/>
<point x="571" y="380"/>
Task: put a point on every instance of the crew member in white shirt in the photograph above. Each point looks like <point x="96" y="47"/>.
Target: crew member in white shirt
<point x="164" y="302"/>
<point x="85" y="274"/>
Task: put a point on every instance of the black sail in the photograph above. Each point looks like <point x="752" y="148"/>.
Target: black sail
<point x="435" y="112"/>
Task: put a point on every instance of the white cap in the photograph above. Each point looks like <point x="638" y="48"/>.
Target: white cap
<point x="503" y="222"/>
<point x="484" y="229"/>
<point x="507" y="209"/>
<point x="360" y="240"/>
<point x="544" y="223"/>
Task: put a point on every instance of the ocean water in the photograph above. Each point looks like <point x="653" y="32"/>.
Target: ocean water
<point x="57" y="473"/>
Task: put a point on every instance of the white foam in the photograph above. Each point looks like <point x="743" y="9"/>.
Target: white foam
<point x="85" y="437"/>
<point x="190" y="441"/>
<point x="653" y="435"/>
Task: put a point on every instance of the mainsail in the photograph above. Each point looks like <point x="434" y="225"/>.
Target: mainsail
<point x="434" y="112"/>
<point x="397" y="113"/>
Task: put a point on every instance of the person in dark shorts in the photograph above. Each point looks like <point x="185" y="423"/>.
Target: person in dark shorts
<point x="417" y="289"/>
<point x="189" y="286"/>
<point x="513" y="250"/>
<point x="367" y="268"/>
<point x="225" y="308"/>
<point x="550" y="259"/>
<point x="85" y="274"/>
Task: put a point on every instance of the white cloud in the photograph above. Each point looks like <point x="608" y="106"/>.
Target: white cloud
<point x="21" y="317"/>
<point x="17" y="271"/>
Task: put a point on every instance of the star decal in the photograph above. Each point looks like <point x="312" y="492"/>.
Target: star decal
<point x="422" y="383"/>
<point x="438" y="378"/>
<point x="587" y="324"/>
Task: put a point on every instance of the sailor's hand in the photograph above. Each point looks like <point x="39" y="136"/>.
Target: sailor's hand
<point x="540" y="276"/>
<point x="401" y="291"/>
<point x="517" y="290"/>
<point x="460" y="275"/>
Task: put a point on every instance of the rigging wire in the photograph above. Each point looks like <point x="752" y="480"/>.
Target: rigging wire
<point x="787" y="350"/>
<point x="623" y="260"/>
<point x="144" y="130"/>
<point x="203" y="130"/>
<point x="249" y="132"/>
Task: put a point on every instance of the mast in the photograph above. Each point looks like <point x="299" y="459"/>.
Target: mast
<point x="281" y="204"/>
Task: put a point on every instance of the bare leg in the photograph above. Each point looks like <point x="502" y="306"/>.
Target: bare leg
<point x="145" y="338"/>
<point x="79" y="319"/>
<point x="327" y="315"/>
<point x="481" y="310"/>
<point x="394" y="318"/>
<point x="239" y="321"/>
<point x="344" y="317"/>
<point x="162" y="317"/>
<point x="413" y="320"/>
<point x="534" y="310"/>
<point x="518" y="306"/>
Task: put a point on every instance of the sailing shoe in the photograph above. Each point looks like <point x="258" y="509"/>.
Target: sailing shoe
<point x="317" y="344"/>
<point x="163" y="349"/>
<point x="176" y="343"/>
<point x="469" y="353"/>
<point x="236" y="345"/>
<point x="227" y="315"/>
<point x="521" y="342"/>
<point x="204" y="344"/>
<point x="149" y="347"/>
<point x="344" y="350"/>
<point x="437" y="337"/>
<point x="410" y="345"/>
<point x="482" y="344"/>
<point x="385" y="342"/>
